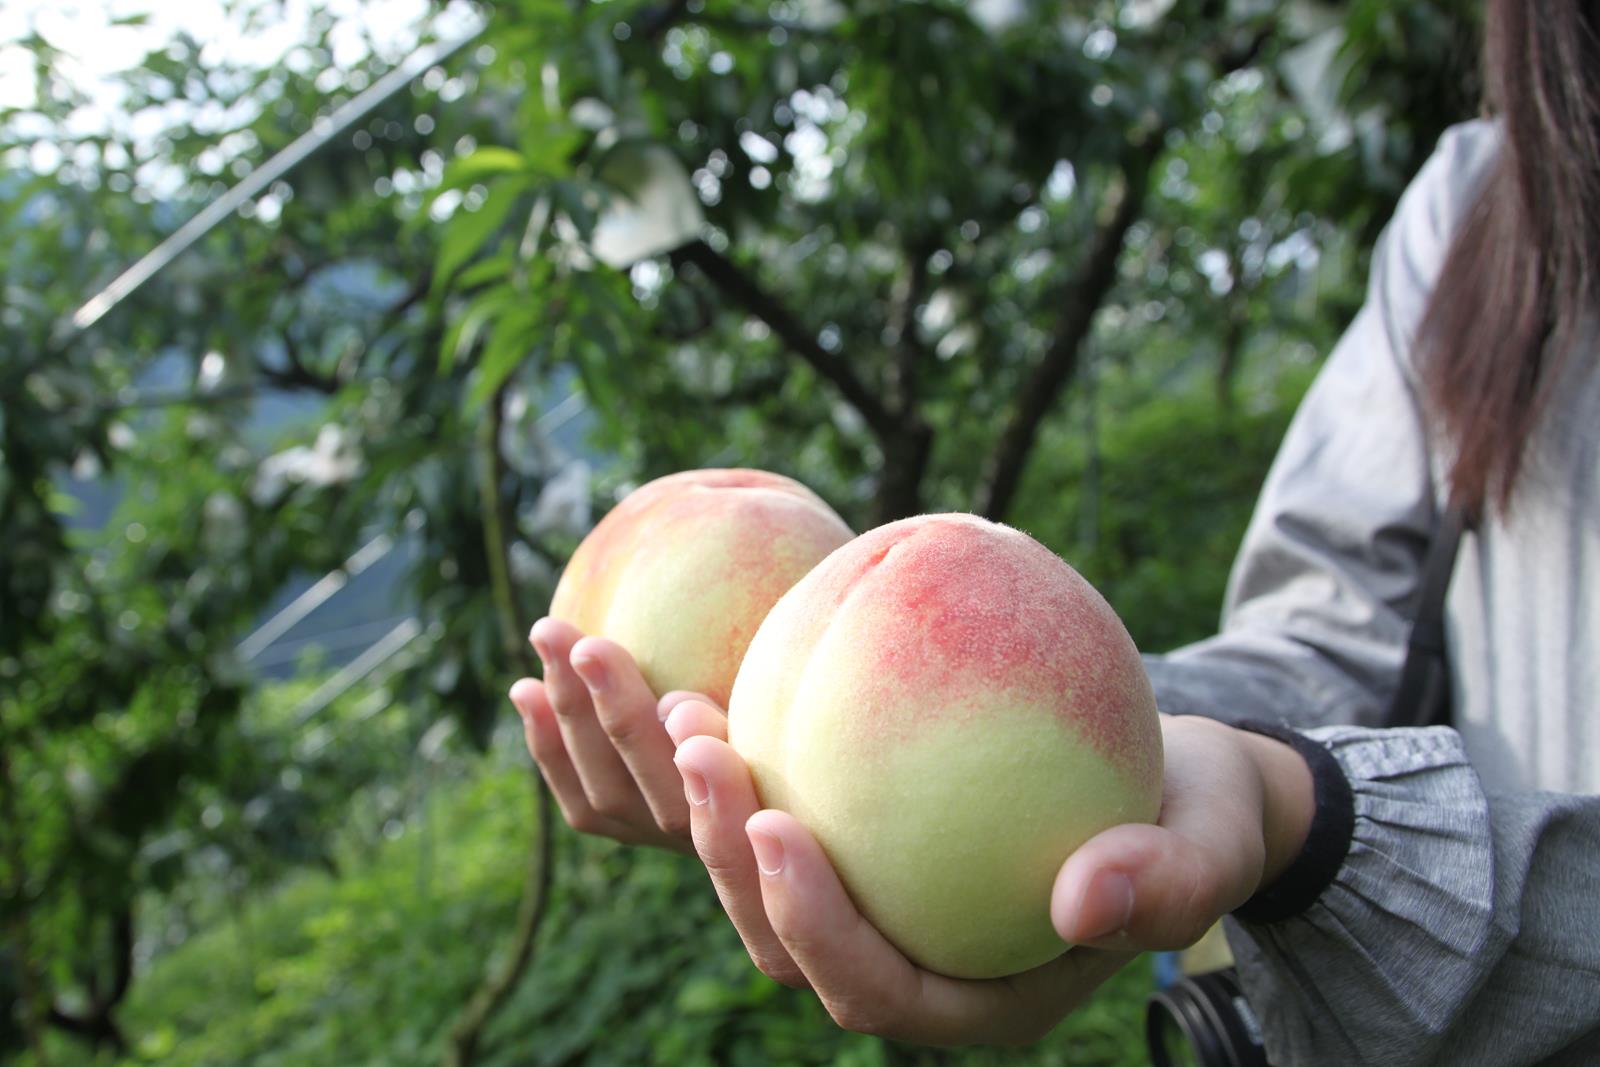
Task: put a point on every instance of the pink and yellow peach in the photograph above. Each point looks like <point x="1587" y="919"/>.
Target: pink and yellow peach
<point x="952" y="710"/>
<point x="683" y="570"/>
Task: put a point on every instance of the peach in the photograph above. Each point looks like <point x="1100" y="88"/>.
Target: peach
<point x="683" y="570"/>
<point x="951" y="710"/>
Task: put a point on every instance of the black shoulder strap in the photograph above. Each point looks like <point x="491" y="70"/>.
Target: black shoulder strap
<point x="1423" y="698"/>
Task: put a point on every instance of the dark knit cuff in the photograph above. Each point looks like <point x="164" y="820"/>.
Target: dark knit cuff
<point x="1327" y="842"/>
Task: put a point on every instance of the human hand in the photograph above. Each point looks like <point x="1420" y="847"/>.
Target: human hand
<point x="594" y="727"/>
<point x="1235" y="810"/>
<point x="1128" y="889"/>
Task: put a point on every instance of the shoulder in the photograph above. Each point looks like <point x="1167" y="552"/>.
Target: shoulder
<point x="1411" y="252"/>
<point x="1447" y="185"/>
<point x="1443" y="191"/>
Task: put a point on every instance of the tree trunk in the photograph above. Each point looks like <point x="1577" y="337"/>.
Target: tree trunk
<point x="1060" y="361"/>
<point x="905" y="461"/>
<point x="466" y="1035"/>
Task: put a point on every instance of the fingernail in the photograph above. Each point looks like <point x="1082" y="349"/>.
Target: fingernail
<point x="695" y="788"/>
<point x="516" y="705"/>
<point x="768" y="850"/>
<point x="1107" y="906"/>
<point x="679" y="733"/>
<point x="592" y="671"/>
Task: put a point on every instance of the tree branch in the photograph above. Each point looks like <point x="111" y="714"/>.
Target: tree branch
<point x="122" y="966"/>
<point x="1234" y="333"/>
<point x="31" y="995"/>
<point x="746" y="292"/>
<point x="296" y="375"/>
<point x="655" y="20"/>
<point x="909" y="349"/>
<point x="461" y="1049"/>
<point x="736" y="22"/>
<point x="1229" y="61"/>
<point x="350" y="367"/>
<point x="1083" y="298"/>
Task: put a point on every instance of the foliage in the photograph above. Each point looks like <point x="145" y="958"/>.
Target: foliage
<point x="366" y="967"/>
<point x="913" y="219"/>
<point x="1164" y="569"/>
<point x="1068" y="270"/>
<point x="119" y="632"/>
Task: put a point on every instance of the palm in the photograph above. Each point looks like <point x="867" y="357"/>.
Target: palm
<point x="800" y="926"/>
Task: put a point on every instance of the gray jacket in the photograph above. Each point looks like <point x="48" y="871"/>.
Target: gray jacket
<point x="1464" y="924"/>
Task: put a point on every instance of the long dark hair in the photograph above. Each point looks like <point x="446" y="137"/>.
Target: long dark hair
<point x="1523" y="267"/>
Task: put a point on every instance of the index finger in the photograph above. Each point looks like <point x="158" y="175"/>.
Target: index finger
<point x="868" y="985"/>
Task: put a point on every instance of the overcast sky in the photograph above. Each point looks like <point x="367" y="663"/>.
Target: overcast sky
<point x="83" y="29"/>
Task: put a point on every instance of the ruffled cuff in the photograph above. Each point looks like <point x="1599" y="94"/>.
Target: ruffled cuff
<point x="1390" y="948"/>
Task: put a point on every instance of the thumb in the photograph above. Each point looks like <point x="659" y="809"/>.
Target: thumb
<point x="1155" y="888"/>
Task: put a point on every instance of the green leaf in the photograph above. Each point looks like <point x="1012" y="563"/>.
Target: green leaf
<point x="511" y="340"/>
<point x="603" y="54"/>
<point x="490" y="269"/>
<point x="549" y="147"/>
<point x="467" y="231"/>
<point x="704" y="996"/>
<point x="62" y="503"/>
<point x="572" y="198"/>
<point x="490" y="161"/>
<point x="464" y="332"/>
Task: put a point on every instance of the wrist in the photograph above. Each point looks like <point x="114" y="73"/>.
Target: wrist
<point x="1313" y="834"/>
<point x="1288" y="802"/>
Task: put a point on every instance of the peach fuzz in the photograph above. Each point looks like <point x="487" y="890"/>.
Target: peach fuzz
<point x="683" y="570"/>
<point x="951" y="710"/>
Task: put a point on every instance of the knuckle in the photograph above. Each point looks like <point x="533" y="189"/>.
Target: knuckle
<point x="674" y="823"/>
<point x="721" y="869"/>
<point x="622" y="729"/>
<point x="565" y="707"/>
<point x="612" y="806"/>
<point x="854" y="1014"/>
<point x="583" y="820"/>
<point x="801" y="938"/>
<point x="780" y="969"/>
<point x="543" y="746"/>
<point x="1028" y="1033"/>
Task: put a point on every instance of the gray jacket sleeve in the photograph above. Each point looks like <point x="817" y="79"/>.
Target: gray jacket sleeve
<point x="1461" y="928"/>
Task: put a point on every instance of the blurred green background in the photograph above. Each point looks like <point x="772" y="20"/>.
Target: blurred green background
<point x="273" y="527"/>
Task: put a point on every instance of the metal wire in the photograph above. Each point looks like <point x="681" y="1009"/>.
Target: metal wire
<point x="322" y="131"/>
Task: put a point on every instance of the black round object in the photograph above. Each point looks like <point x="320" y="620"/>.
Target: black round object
<point x="1203" y="1021"/>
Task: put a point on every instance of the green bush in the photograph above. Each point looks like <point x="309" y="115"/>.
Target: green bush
<point x="636" y="965"/>
<point x="1158" y="525"/>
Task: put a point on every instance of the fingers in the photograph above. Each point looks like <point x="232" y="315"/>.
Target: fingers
<point x="626" y="709"/>
<point x="673" y="699"/>
<point x="544" y="742"/>
<point x="801" y="927"/>
<point x="598" y="741"/>
<point x="868" y="985"/>
<point x="1161" y="887"/>
<point x="693" y="717"/>
<point x="721" y="798"/>
<point x="607" y="782"/>
<point x="1137" y="886"/>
